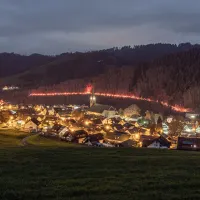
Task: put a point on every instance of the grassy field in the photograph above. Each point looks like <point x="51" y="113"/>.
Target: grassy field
<point x="11" y="138"/>
<point x="37" y="140"/>
<point x="48" y="170"/>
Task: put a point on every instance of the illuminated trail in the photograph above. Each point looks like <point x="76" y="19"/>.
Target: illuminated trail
<point x="176" y="108"/>
<point x="1" y="102"/>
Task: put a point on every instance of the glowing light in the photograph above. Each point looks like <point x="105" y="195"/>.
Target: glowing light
<point x="5" y="88"/>
<point x="169" y="119"/>
<point x="137" y="136"/>
<point x="107" y="127"/>
<point x="93" y="98"/>
<point x="63" y="118"/>
<point x="86" y="123"/>
<point x="1" y="102"/>
<point x="88" y="89"/>
<point x="176" y="108"/>
<point x="188" y="130"/>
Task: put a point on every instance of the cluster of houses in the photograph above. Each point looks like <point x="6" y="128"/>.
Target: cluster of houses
<point x="98" y="125"/>
<point x="7" y="88"/>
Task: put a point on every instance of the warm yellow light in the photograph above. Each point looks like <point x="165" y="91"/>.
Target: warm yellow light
<point x="86" y="123"/>
<point x="10" y="107"/>
<point x="137" y="136"/>
<point x="107" y="127"/>
<point x="63" y="118"/>
<point x="11" y="117"/>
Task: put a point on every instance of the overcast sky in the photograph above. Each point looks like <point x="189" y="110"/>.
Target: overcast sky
<point x="56" y="26"/>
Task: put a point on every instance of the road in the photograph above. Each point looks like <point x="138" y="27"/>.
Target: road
<point x="24" y="141"/>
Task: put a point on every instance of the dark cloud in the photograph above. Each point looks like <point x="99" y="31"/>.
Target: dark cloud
<point x="54" y="26"/>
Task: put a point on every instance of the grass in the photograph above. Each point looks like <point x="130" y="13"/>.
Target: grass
<point x="37" y="140"/>
<point x="63" y="172"/>
<point x="10" y="137"/>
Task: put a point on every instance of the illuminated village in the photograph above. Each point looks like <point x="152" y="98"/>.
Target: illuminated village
<point x="103" y="125"/>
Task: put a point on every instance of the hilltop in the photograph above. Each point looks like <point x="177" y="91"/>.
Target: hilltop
<point x="161" y="72"/>
<point x="36" y="70"/>
<point x="172" y="78"/>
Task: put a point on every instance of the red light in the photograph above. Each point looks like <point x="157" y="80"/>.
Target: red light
<point x="89" y="89"/>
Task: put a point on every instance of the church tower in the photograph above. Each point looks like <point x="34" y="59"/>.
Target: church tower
<point x="92" y="98"/>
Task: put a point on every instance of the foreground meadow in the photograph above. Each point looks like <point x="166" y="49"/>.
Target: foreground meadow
<point x="52" y="170"/>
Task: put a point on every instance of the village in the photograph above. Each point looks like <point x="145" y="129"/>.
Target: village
<point x="103" y="125"/>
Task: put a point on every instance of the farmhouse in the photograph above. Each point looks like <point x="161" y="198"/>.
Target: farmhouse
<point x="117" y="137"/>
<point x="32" y="125"/>
<point x="159" y="142"/>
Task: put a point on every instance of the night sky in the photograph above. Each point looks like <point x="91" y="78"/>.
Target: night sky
<point x="56" y="26"/>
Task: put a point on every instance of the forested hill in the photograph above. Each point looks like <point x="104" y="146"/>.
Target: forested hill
<point x="35" y="70"/>
<point x="11" y="63"/>
<point x="173" y="78"/>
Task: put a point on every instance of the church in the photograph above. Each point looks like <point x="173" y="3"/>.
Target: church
<point x="100" y="109"/>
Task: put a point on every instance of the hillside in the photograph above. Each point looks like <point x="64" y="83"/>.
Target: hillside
<point x="173" y="78"/>
<point x="11" y="63"/>
<point x="40" y="70"/>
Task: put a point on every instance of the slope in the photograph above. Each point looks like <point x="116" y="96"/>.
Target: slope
<point x="80" y="65"/>
<point x="11" y="63"/>
<point x="173" y="79"/>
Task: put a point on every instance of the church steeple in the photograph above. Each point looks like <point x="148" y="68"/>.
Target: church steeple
<point x="92" y="97"/>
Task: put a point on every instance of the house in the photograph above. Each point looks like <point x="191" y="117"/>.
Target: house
<point x="32" y="125"/>
<point x="62" y="131"/>
<point x="94" y="139"/>
<point x="128" y="125"/>
<point x="191" y="116"/>
<point x="188" y="130"/>
<point x="136" y="130"/>
<point x="40" y="118"/>
<point x="158" y="143"/>
<point x="117" y="137"/>
<point x="51" y="111"/>
<point x="135" y="118"/>
<point x="188" y="143"/>
<point x="117" y="127"/>
<point x="64" y="114"/>
<point x="97" y="121"/>
<point x="57" y="127"/>
<point x="129" y="143"/>
<point x="107" y="121"/>
<point x="104" y="110"/>
<point x="77" y="136"/>
<point x="165" y="128"/>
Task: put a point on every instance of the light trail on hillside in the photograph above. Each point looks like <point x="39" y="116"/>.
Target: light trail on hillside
<point x="176" y="108"/>
<point x="1" y="102"/>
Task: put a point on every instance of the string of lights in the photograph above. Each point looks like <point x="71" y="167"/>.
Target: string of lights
<point x="176" y="108"/>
